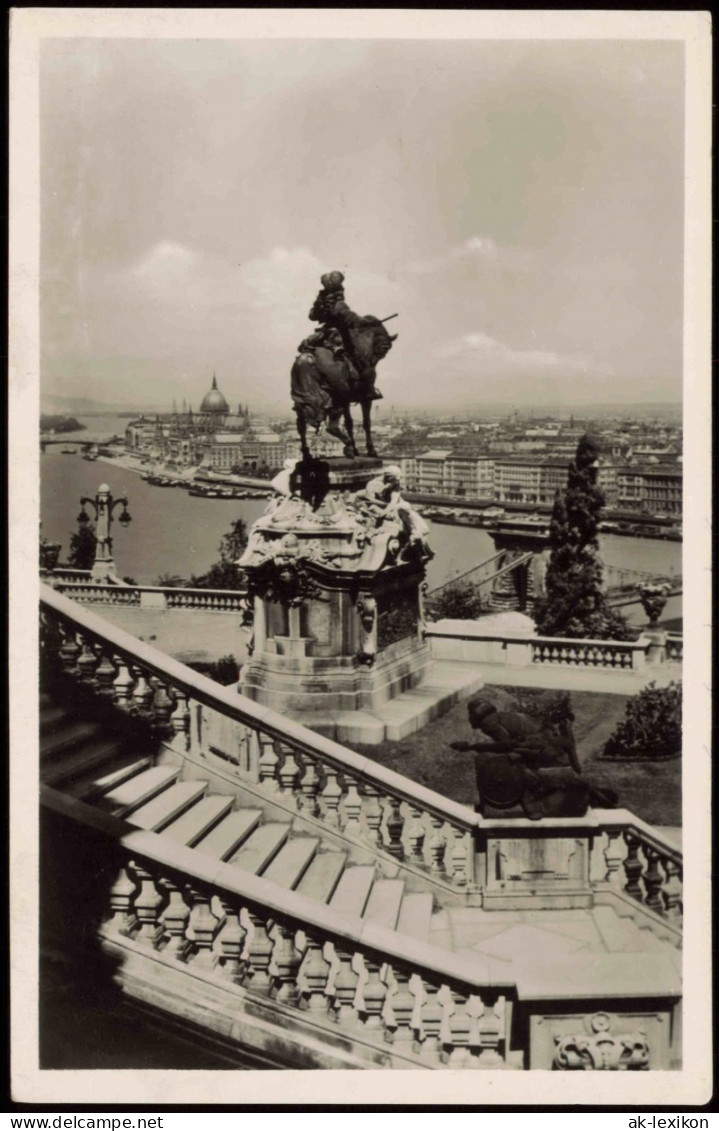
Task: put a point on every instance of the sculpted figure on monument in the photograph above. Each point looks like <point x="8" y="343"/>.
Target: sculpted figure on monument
<point x="383" y="509"/>
<point x="525" y="767"/>
<point x="336" y="367"/>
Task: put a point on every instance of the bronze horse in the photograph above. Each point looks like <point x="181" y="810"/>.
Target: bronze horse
<point x="326" y="382"/>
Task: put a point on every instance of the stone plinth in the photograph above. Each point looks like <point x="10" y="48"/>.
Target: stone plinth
<point x="335" y="572"/>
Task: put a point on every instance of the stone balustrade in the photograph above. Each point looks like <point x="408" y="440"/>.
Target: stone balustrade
<point x="607" y="854"/>
<point x="612" y="654"/>
<point x="412" y="1003"/>
<point x="149" y="596"/>
<point x="467" y="640"/>
<point x="639" y="863"/>
<point x="292" y="766"/>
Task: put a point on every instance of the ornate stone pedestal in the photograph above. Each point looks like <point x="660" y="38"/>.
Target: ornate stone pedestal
<point x="335" y="571"/>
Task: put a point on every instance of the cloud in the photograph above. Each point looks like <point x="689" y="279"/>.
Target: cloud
<point x="478" y="347"/>
<point x="478" y="251"/>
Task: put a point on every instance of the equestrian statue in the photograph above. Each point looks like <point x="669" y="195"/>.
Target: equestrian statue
<point x="336" y="367"/>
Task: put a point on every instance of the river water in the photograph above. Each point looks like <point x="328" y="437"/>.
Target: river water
<point x="173" y="532"/>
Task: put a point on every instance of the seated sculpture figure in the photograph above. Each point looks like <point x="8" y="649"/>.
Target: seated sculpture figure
<point x="527" y="769"/>
<point x="381" y="503"/>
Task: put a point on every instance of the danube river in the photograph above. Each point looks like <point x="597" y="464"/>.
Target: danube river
<point x="175" y="533"/>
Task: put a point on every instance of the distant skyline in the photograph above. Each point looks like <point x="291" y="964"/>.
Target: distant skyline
<point x="519" y="204"/>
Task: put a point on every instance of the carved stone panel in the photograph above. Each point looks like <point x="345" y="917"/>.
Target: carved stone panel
<point x="397" y="617"/>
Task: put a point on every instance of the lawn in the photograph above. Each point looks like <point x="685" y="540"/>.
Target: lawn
<point x="652" y="790"/>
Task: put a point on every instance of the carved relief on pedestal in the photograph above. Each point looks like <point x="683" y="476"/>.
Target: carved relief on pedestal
<point x="600" y="1049"/>
<point x="366" y="607"/>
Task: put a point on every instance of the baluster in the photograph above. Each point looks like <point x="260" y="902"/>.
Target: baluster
<point x="123" y="685"/>
<point x="123" y="920"/>
<point x="491" y="1024"/>
<point x="268" y="763"/>
<point x="431" y="1018"/>
<point x="374" y="992"/>
<point x="437" y="845"/>
<point x="288" y="773"/>
<point x="402" y="1002"/>
<point x="331" y="796"/>
<point x="352" y="807"/>
<point x="673" y="890"/>
<point x="148" y="902"/>
<point x="459" y="861"/>
<point x="175" y="919"/>
<point x="458" y="1031"/>
<point x="415" y="835"/>
<point x="395" y="827"/>
<point x="613" y="856"/>
<point x="105" y="674"/>
<point x="230" y="942"/>
<point x="69" y="652"/>
<point x="203" y="928"/>
<point x="345" y="986"/>
<point x="180" y="720"/>
<point x="142" y="693"/>
<point x="633" y="867"/>
<point x="258" y="955"/>
<point x="286" y="959"/>
<point x="373" y="813"/>
<point x="315" y="972"/>
<point x="309" y="787"/>
<point x="653" y="880"/>
<point x="87" y="662"/>
<point x="162" y="708"/>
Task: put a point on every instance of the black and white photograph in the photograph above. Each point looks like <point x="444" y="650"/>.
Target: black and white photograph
<point x="358" y="362"/>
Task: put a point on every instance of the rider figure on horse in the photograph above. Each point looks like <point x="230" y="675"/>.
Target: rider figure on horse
<point x="330" y="309"/>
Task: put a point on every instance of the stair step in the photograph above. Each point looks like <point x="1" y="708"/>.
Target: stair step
<point x="322" y="876"/>
<point x="415" y="915"/>
<point x="50" y="717"/>
<point x="384" y="903"/>
<point x="353" y="889"/>
<point x="261" y="846"/>
<point x="66" y="737"/>
<point x="155" y="814"/>
<point x="621" y="934"/>
<point x="130" y="794"/>
<point x="80" y="761"/>
<point x="197" y="821"/>
<point x="292" y="861"/>
<point x="101" y="781"/>
<point x="232" y="830"/>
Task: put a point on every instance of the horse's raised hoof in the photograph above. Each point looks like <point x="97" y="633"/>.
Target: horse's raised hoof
<point x="372" y="452"/>
<point x="350" y="451"/>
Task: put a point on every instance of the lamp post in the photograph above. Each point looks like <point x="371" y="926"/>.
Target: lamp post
<point x="104" y="506"/>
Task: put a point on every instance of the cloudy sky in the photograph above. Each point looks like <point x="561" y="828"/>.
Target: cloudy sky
<point x="520" y="204"/>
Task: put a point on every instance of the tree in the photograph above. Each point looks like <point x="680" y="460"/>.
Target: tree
<point x="574" y="604"/>
<point x="651" y="727"/>
<point x="225" y="573"/>
<point x="82" y="547"/>
<point x="170" y="581"/>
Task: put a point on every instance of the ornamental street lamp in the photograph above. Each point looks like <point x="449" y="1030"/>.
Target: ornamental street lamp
<point x="104" y="506"/>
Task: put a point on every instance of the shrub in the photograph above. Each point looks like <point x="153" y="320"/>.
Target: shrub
<point x="457" y="602"/>
<point x="651" y="727"/>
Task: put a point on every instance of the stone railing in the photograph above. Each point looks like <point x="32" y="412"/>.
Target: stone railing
<point x="608" y="855"/>
<point x="67" y="573"/>
<point x="605" y="854"/>
<point x="397" y="1001"/>
<point x="467" y="640"/>
<point x="149" y="596"/>
<point x="288" y="764"/>
<point x="640" y="864"/>
<point x="613" y="654"/>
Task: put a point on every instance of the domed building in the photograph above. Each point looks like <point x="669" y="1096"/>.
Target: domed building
<point x="214" y="408"/>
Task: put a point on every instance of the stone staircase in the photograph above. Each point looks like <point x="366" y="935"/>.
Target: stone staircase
<point x="268" y="890"/>
<point x="81" y="762"/>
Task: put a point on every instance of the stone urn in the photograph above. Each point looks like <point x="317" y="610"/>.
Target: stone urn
<point x="653" y="596"/>
<point x="49" y="554"/>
